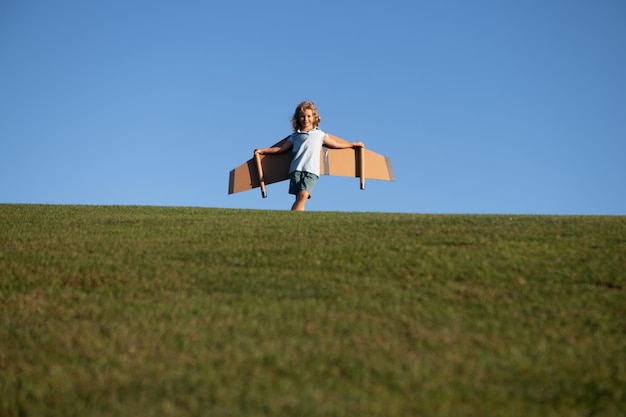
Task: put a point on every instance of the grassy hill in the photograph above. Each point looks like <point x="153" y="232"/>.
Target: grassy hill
<point x="190" y="312"/>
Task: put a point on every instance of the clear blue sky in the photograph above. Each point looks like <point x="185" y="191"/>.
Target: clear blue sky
<point x="515" y="107"/>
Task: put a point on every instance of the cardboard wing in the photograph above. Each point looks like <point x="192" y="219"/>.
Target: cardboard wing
<point x="351" y="162"/>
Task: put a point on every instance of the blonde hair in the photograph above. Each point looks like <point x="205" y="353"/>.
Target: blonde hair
<point x="305" y="105"/>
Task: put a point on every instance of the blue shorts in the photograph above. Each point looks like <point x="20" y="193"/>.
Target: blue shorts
<point x="302" y="180"/>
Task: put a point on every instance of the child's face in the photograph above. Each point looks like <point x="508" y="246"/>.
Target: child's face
<point x="306" y="120"/>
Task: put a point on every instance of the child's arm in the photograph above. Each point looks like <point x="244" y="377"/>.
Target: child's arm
<point x="335" y="143"/>
<point x="286" y="145"/>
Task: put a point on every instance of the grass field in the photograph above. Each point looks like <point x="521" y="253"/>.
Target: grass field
<point x="150" y="311"/>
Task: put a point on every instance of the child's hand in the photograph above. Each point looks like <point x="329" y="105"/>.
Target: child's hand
<point x="258" y="151"/>
<point x="358" y="144"/>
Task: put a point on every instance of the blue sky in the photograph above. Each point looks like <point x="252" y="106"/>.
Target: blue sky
<point x="508" y="107"/>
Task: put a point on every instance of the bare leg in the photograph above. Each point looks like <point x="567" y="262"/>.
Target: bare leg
<point x="301" y="199"/>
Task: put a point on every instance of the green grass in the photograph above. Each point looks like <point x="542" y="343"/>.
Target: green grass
<point x="109" y="311"/>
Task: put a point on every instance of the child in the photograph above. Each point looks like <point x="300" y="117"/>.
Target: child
<point x="305" y="143"/>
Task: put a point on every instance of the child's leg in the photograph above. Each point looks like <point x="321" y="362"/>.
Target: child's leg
<point x="301" y="199"/>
